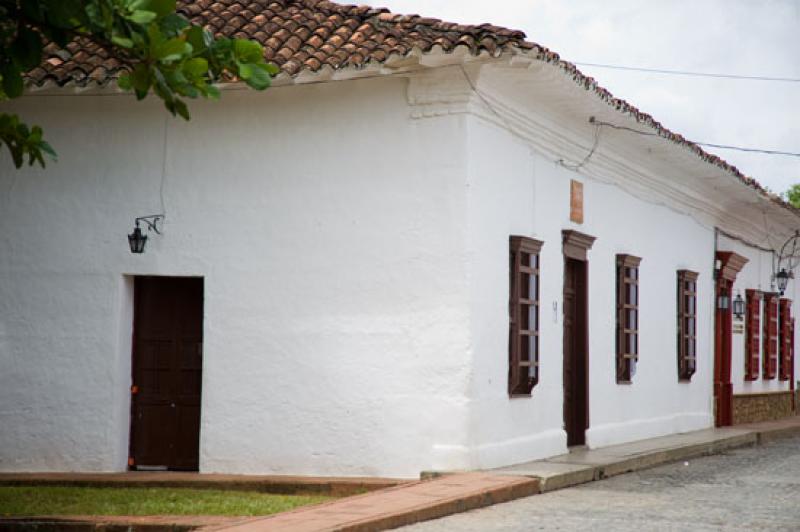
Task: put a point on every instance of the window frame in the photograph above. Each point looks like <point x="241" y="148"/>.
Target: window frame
<point x="685" y="337"/>
<point x="521" y="383"/>
<point x="626" y="361"/>
<point x="752" y="343"/>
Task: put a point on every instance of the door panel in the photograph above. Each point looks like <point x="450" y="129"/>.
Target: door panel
<point x="576" y="408"/>
<point x="723" y="388"/>
<point x="167" y="372"/>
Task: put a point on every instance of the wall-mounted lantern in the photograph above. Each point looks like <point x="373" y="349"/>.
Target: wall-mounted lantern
<point x="738" y="307"/>
<point x="782" y="279"/>
<point x="723" y="301"/>
<point x="137" y="239"/>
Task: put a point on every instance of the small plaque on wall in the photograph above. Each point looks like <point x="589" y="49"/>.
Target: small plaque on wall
<point x="576" y="201"/>
<point x="738" y="328"/>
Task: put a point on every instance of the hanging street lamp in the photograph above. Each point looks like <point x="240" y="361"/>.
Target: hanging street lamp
<point x="738" y="307"/>
<point x="137" y="239"/>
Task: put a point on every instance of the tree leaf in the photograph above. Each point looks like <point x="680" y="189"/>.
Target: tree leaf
<point x="45" y="146"/>
<point x="142" y="17"/>
<point x="124" y="82"/>
<point x="122" y="42"/>
<point x="181" y="109"/>
<point x="27" y="48"/>
<point x="248" y="51"/>
<point x="212" y="92"/>
<point x="245" y="71"/>
<point x="12" y="80"/>
<point x="140" y="78"/>
<point x="159" y="7"/>
<point x="195" y="68"/>
<point x="173" y="24"/>
<point x="259" y="78"/>
<point x="172" y="50"/>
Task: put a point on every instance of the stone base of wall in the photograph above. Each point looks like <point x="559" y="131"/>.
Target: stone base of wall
<point x="797" y="397"/>
<point x="755" y="407"/>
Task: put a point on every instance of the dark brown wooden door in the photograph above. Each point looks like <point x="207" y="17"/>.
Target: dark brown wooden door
<point x="576" y="383"/>
<point x="167" y="372"/>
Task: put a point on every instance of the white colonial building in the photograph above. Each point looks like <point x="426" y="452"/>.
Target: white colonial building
<point x="441" y="247"/>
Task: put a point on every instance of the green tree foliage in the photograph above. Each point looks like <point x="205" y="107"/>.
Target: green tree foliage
<point x="793" y="195"/>
<point x="163" y="54"/>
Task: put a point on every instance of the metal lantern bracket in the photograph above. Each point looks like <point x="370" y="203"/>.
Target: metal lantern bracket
<point x="787" y="260"/>
<point x="152" y="221"/>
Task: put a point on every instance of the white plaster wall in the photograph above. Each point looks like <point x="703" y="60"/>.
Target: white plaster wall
<point x="329" y="228"/>
<point x="512" y="190"/>
<point x="756" y="274"/>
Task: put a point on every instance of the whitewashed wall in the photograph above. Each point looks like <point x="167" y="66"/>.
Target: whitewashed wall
<point x="513" y="190"/>
<point x="329" y="229"/>
<point x="355" y="257"/>
<point x="756" y="274"/>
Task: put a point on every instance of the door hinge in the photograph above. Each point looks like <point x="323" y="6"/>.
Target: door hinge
<point x="134" y="389"/>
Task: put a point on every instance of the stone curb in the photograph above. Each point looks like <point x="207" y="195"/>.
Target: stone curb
<point x="777" y="434"/>
<point x="653" y="459"/>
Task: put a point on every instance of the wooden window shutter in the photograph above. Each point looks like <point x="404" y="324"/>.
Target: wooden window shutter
<point x="752" y="344"/>
<point x="770" y="336"/>
<point x="786" y="341"/>
<point x="523" y="311"/>
<point x="687" y="324"/>
<point x="627" y="351"/>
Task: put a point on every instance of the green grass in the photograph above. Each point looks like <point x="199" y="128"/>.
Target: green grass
<point x="46" y="500"/>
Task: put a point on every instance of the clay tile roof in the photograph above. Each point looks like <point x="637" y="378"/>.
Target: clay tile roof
<point x="286" y="27"/>
<point x="307" y="35"/>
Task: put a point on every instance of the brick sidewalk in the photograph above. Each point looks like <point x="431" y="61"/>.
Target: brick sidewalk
<point x="397" y="506"/>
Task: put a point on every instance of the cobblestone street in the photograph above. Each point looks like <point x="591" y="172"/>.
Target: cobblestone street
<point x="756" y="488"/>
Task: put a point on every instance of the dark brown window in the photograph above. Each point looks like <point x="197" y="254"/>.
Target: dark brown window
<point x="787" y="340"/>
<point x="752" y="360"/>
<point x="770" y="336"/>
<point x="687" y="324"/>
<point x="627" y="317"/>
<point x="523" y="308"/>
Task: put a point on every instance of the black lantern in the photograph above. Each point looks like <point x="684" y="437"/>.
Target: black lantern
<point x="738" y="307"/>
<point x="782" y="278"/>
<point x="137" y="239"/>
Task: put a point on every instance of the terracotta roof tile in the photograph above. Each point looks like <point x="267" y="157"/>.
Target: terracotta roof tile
<point x="303" y="35"/>
<point x="285" y="26"/>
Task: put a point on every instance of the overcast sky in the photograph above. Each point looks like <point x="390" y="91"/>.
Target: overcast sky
<point x="746" y="37"/>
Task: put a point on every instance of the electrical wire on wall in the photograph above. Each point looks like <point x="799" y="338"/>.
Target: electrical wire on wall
<point x="163" y="168"/>
<point x="489" y="106"/>
<point x="576" y="167"/>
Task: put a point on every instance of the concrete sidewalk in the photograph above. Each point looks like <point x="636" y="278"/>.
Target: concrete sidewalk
<point x="585" y="465"/>
<point x="459" y="492"/>
<point x="449" y="493"/>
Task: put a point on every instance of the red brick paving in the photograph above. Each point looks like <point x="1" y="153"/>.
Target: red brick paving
<point x="397" y="506"/>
